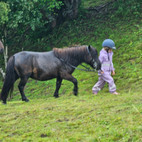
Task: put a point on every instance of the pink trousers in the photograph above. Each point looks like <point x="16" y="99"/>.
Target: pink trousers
<point x="103" y="78"/>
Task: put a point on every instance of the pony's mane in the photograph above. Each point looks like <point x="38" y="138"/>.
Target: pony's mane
<point x="70" y="52"/>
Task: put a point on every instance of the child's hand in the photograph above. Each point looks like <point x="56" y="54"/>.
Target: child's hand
<point x="113" y="72"/>
<point x="102" y="72"/>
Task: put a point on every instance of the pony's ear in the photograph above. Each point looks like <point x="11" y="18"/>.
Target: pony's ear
<point x="89" y="49"/>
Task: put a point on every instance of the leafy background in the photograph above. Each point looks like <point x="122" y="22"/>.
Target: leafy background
<point x="104" y="117"/>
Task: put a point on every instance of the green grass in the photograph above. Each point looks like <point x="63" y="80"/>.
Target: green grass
<point x="86" y="118"/>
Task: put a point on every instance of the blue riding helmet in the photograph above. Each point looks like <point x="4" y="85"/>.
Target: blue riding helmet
<point x="109" y="43"/>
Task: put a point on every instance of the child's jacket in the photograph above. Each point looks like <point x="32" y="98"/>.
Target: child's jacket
<point x="106" y="61"/>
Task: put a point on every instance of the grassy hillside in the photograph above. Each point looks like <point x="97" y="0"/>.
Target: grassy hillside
<point x="87" y="118"/>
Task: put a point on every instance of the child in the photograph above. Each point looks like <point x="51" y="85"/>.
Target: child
<point x="106" y="68"/>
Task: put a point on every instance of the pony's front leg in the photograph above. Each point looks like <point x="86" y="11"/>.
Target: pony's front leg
<point x="69" y="77"/>
<point x="21" y="88"/>
<point x="75" y="90"/>
<point x="58" y="85"/>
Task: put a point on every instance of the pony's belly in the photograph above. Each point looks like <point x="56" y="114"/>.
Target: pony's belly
<point x="44" y="76"/>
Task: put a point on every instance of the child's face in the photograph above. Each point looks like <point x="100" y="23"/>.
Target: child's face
<point x="110" y="50"/>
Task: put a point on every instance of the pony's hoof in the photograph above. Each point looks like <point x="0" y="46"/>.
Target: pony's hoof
<point x="4" y="103"/>
<point x="26" y="100"/>
<point x="75" y="93"/>
<point x="56" y="96"/>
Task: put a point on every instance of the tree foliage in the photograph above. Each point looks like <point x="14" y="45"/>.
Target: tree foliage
<point x="4" y="10"/>
<point x="27" y="21"/>
<point x="21" y="19"/>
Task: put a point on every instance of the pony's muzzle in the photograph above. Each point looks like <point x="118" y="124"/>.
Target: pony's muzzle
<point x="97" y="65"/>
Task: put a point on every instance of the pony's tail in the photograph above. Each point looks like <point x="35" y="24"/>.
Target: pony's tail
<point x="10" y="78"/>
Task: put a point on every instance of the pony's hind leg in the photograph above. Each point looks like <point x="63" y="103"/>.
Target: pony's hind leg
<point x="21" y="86"/>
<point x="58" y="85"/>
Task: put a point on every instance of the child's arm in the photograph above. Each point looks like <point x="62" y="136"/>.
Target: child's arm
<point x="112" y="67"/>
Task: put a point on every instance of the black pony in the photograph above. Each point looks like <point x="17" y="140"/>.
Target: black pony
<point x="58" y="63"/>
